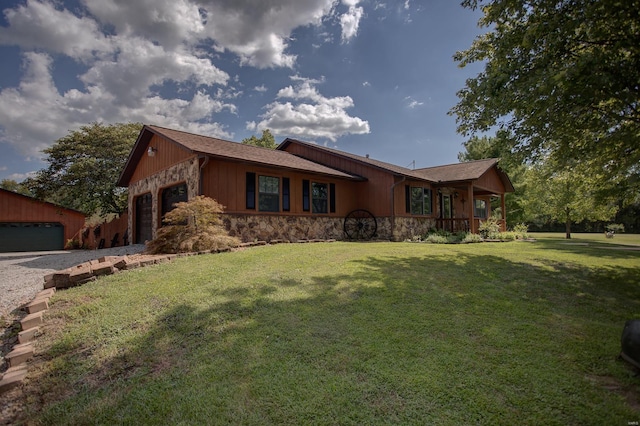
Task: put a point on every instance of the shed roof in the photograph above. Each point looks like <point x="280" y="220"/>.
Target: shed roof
<point x="219" y="148"/>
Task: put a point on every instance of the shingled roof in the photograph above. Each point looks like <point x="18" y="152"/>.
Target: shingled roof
<point x="398" y="170"/>
<point x="467" y="171"/>
<point x="219" y="148"/>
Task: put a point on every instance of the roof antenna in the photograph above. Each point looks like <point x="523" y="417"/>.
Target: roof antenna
<point x="412" y="164"/>
<point x="367" y="155"/>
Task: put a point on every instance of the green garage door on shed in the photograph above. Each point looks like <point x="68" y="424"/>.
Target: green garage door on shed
<point x="31" y="236"/>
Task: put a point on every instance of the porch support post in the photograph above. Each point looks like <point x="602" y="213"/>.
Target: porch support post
<point x="472" y="221"/>
<point x="504" y="213"/>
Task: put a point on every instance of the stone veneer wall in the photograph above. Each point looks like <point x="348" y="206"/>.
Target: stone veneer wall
<point x="187" y="171"/>
<point x="409" y="227"/>
<point x="293" y="228"/>
<point x="289" y="228"/>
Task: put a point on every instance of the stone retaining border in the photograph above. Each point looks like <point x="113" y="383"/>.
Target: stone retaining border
<point x="78" y="275"/>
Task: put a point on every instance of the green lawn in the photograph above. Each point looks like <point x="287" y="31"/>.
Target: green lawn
<point x="349" y="333"/>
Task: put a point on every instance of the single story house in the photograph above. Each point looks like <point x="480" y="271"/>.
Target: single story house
<point x="27" y="224"/>
<point x="302" y="190"/>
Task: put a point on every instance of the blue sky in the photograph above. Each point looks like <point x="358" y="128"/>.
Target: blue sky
<point x="365" y="76"/>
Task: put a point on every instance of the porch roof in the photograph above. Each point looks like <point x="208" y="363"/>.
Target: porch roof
<point x="467" y="171"/>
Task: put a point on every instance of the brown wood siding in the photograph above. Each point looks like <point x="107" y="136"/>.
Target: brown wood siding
<point x="490" y="181"/>
<point x="167" y="154"/>
<point x="373" y="195"/>
<point x="17" y="208"/>
<point x="225" y="181"/>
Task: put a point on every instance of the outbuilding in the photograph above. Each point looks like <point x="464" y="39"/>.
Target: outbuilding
<point x="28" y="224"/>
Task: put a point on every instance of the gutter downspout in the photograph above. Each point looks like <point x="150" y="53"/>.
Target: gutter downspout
<point x="393" y="206"/>
<point x="206" y="160"/>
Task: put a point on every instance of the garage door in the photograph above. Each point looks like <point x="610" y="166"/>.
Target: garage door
<point x="31" y="236"/>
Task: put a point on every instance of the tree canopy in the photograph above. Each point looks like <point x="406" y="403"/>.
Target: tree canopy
<point x="563" y="77"/>
<point x="266" y="141"/>
<point x="84" y="167"/>
<point x="567" y="195"/>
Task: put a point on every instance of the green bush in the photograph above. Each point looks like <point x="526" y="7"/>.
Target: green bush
<point x="472" y="238"/>
<point x="507" y="236"/>
<point x="490" y="228"/>
<point x="522" y="231"/>
<point x="436" y="239"/>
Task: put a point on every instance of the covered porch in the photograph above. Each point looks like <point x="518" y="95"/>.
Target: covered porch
<point x="463" y="208"/>
<point x="463" y="193"/>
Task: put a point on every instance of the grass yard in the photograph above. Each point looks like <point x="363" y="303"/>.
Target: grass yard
<point x="521" y="333"/>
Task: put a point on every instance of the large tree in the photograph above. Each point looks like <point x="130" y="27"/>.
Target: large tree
<point x="567" y="195"/>
<point x="563" y="76"/>
<point x="84" y="167"/>
<point x="265" y="141"/>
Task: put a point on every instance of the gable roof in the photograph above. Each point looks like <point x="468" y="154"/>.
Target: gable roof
<point x="219" y="148"/>
<point x="467" y="171"/>
<point x="392" y="168"/>
<point x="6" y="192"/>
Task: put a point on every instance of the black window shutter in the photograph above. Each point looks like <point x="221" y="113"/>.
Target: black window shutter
<point x="332" y="197"/>
<point x="285" y="195"/>
<point x="407" y="198"/>
<point x="306" y="202"/>
<point x="251" y="191"/>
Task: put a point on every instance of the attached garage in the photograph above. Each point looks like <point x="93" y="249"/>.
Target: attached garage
<point x="27" y="224"/>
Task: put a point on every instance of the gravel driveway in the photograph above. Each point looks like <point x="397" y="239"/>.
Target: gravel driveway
<point x="22" y="274"/>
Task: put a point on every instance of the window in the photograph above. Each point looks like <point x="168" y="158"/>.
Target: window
<point x="171" y="196"/>
<point x="480" y="208"/>
<point x="320" y="197"/>
<point x="251" y="191"/>
<point x="268" y="194"/>
<point x="418" y="200"/>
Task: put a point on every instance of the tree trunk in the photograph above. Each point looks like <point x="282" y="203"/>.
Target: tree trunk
<point x="567" y="227"/>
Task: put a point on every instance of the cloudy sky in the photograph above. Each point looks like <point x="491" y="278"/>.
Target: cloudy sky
<point x="365" y="76"/>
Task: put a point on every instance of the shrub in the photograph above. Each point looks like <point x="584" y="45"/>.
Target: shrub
<point x="522" y="231"/>
<point x="193" y="225"/>
<point x="472" y="238"/>
<point x="490" y="228"/>
<point x="436" y="239"/>
<point x="507" y="236"/>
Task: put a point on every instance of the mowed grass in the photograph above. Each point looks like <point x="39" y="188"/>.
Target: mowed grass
<point x="348" y="333"/>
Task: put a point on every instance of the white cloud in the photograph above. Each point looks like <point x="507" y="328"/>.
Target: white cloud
<point x="350" y="21"/>
<point x="56" y="113"/>
<point x="130" y="52"/>
<point x="39" y="25"/>
<point x="412" y="103"/>
<point x="318" y="117"/>
<point x="262" y="88"/>
<point x="366" y="84"/>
